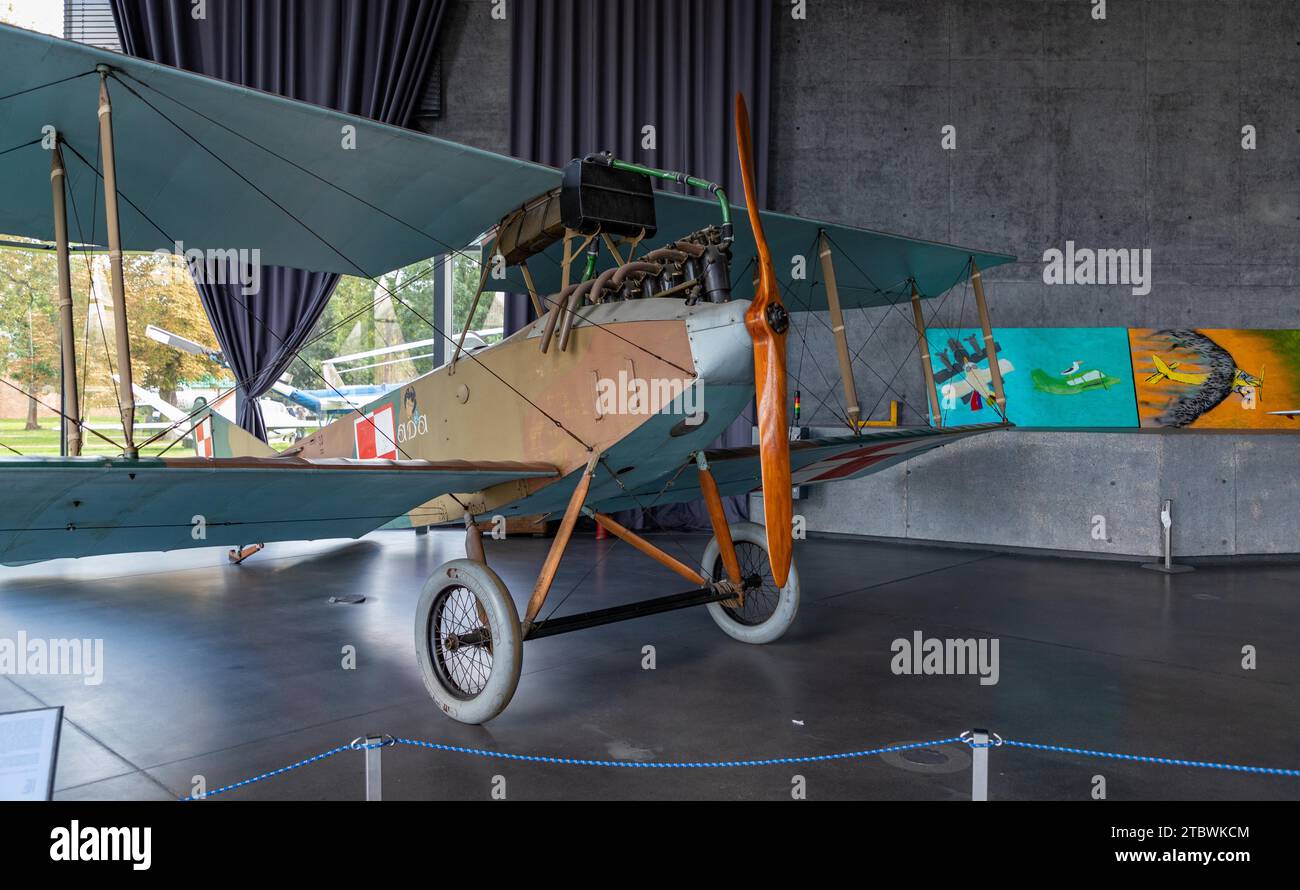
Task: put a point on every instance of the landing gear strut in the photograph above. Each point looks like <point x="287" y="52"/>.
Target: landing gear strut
<point x="237" y="556"/>
<point x="469" y="637"/>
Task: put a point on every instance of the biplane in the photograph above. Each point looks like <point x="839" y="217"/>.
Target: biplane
<point x="1243" y="383"/>
<point x="1073" y="380"/>
<point x="962" y="378"/>
<point x="630" y="282"/>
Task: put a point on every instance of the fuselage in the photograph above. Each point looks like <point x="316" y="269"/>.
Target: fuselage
<point x="645" y="382"/>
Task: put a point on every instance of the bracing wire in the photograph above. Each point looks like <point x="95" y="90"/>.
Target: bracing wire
<point x="460" y="252"/>
<point x="361" y="272"/>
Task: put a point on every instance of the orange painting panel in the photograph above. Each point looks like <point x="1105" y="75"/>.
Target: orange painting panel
<point x="1216" y="378"/>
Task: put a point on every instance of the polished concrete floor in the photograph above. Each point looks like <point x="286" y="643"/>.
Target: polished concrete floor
<point x="225" y="672"/>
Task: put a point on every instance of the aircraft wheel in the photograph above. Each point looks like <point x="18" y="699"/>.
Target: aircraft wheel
<point x="768" y="611"/>
<point x="468" y="642"/>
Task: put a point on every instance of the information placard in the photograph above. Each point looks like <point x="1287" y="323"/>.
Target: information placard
<point x="29" y="752"/>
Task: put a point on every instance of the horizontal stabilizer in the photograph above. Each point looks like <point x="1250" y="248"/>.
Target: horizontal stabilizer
<point x="215" y="436"/>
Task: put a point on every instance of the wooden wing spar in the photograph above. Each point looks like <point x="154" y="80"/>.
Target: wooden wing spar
<point x="220" y="166"/>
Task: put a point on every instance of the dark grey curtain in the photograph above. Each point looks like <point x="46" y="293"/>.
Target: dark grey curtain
<point x="364" y="57"/>
<point x="590" y="74"/>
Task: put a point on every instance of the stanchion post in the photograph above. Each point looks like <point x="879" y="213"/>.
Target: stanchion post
<point x="979" y="767"/>
<point x="374" y="772"/>
<point x="1167" y="566"/>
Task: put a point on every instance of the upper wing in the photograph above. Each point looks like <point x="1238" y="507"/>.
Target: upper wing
<point x="428" y="195"/>
<point x="219" y="166"/>
<point x="736" y="470"/>
<point x="871" y="268"/>
<point x="87" y="506"/>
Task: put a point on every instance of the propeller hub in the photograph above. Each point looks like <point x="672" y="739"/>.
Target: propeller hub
<point x="777" y="317"/>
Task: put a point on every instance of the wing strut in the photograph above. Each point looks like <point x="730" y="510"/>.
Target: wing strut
<point x="841" y="339"/>
<point x="923" y="347"/>
<point x="120" y="330"/>
<point x="473" y="307"/>
<point x="67" y="338"/>
<point x="990" y="346"/>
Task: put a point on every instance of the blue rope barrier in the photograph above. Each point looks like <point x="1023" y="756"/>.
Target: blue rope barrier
<point x="1166" y="761"/>
<point x="276" y="772"/>
<point x="675" y="764"/>
<point x="576" y="761"/>
<point x="769" y="761"/>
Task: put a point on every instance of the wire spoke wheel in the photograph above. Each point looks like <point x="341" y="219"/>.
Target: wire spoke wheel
<point x="461" y="641"/>
<point x="468" y="642"/>
<point x="759" y="602"/>
<point x="767" y="610"/>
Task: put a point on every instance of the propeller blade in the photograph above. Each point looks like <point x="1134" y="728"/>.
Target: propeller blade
<point x="767" y="322"/>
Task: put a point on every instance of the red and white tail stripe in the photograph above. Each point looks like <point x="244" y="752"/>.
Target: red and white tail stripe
<point x="203" y="446"/>
<point x="376" y="435"/>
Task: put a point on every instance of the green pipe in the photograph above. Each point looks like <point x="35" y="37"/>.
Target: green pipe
<point x="692" y="181"/>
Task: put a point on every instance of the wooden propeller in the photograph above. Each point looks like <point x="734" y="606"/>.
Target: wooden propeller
<point x="767" y="322"/>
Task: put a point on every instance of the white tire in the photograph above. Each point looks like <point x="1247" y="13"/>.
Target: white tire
<point x="468" y="641"/>
<point x="767" y="612"/>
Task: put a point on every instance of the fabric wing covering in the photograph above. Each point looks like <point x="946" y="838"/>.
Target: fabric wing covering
<point x="223" y="167"/>
<point x="829" y="459"/>
<point x="89" y="506"/>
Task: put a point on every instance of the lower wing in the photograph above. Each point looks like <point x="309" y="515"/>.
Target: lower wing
<point x="71" y="507"/>
<point x="830" y="459"/>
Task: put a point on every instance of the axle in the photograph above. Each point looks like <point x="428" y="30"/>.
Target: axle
<point x="719" y="592"/>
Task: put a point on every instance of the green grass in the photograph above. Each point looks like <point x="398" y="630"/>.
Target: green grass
<point x="45" y="441"/>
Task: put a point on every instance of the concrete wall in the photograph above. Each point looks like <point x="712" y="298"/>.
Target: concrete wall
<point x="1232" y="495"/>
<point x="1122" y="133"/>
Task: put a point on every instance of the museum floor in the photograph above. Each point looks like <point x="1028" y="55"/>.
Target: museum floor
<point x="228" y="672"/>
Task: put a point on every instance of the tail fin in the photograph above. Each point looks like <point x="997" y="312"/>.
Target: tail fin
<point x="214" y="436"/>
